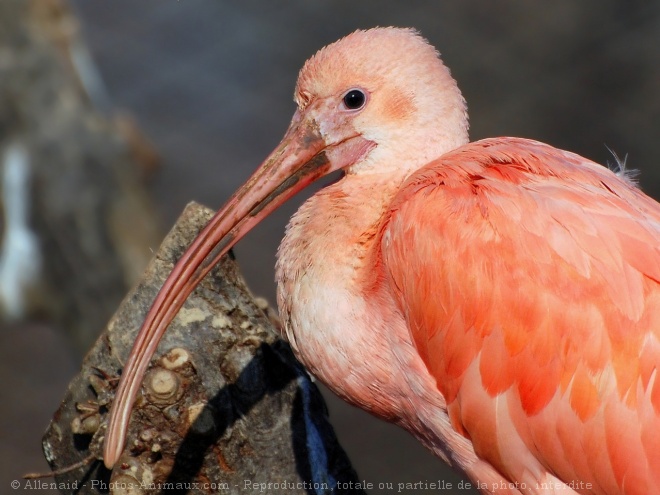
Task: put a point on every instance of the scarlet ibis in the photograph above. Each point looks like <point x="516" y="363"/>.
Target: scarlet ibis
<point x="498" y="299"/>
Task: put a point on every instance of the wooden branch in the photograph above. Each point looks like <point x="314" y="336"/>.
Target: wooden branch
<point x="224" y="403"/>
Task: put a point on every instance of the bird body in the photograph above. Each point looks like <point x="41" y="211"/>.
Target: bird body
<point x="474" y="272"/>
<point x="498" y="299"/>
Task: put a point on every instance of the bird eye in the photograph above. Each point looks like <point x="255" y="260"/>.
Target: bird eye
<point x="355" y="99"/>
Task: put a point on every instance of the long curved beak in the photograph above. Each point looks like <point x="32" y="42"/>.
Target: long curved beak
<point x="301" y="158"/>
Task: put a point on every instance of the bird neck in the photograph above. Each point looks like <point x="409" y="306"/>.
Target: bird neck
<point x="327" y="253"/>
<point x="334" y="231"/>
<point x="326" y="306"/>
<point x="401" y="152"/>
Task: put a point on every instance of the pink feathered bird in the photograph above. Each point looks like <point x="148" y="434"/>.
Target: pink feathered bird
<point x="499" y="299"/>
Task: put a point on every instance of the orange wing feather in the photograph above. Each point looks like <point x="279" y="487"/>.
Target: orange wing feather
<point x="529" y="278"/>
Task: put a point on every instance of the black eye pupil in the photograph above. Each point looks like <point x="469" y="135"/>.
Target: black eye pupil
<point x="354" y="99"/>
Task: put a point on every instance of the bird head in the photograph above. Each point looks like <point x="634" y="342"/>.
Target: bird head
<point x="383" y="92"/>
<point x="375" y="101"/>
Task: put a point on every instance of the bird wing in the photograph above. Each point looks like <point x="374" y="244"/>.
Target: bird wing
<point x="530" y="281"/>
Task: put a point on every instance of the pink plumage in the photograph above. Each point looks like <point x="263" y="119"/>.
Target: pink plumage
<point x="498" y="299"/>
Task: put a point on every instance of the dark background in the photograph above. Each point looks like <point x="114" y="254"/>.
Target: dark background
<point x="210" y="83"/>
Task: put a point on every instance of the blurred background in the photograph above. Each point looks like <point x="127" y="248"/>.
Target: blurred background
<point x="192" y="95"/>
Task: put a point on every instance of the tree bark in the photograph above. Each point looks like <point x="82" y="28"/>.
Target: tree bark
<point x="224" y="405"/>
